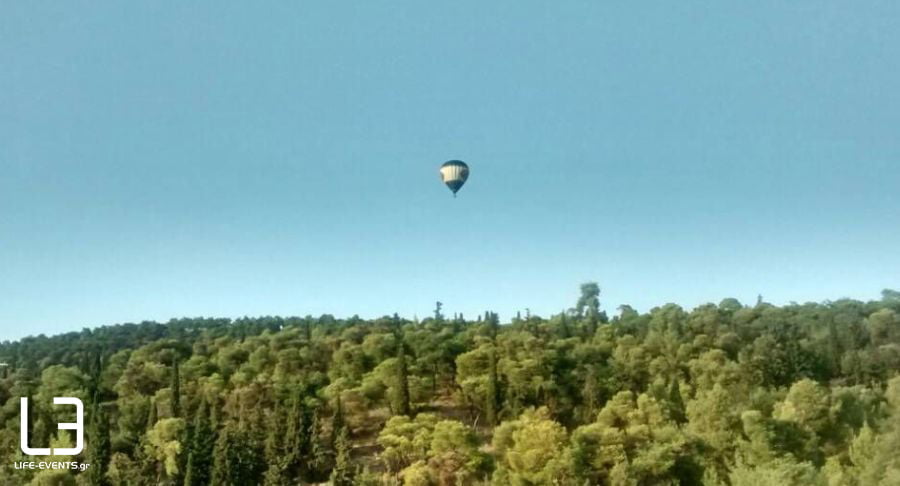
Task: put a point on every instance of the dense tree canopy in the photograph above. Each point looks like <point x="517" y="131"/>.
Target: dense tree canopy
<point x="727" y="394"/>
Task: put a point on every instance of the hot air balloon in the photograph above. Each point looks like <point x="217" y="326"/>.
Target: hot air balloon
<point x="454" y="173"/>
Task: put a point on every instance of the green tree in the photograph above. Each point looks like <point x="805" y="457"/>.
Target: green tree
<point x="98" y="446"/>
<point x="316" y="460"/>
<point x="454" y="455"/>
<point x="200" y="450"/>
<point x="492" y="395"/>
<point x="876" y="457"/>
<point x="532" y="450"/>
<point x="344" y="471"/>
<point x="781" y="472"/>
<point x="176" y="388"/>
<point x="403" y="406"/>
<point x="588" y="307"/>
<point x="405" y="440"/>
<point x="238" y="460"/>
<point x="634" y="441"/>
<point x="164" y="446"/>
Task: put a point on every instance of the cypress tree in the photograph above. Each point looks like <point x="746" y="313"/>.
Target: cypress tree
<point x="176" y="411"/>
<point x="223" y="457"/>
<point x="337" y="421"/>
<point x="296" y="432"/>
<point x="238" y="460"/>
<point x="676" y="403"/>
<point x="282" y="446"/>
<point x="200" y="451"/>
<point x="99" y="449"/>
<point x="277" y="438"/>
<point x="403" y="407"/>
<point x="438" y="316"/>
<point x="494" y="324"/>
<point x="315" y="461"/>
<point x="94" y="372"/>
<point x="343" y="473"/>
<point x="176" y="388"/>
<point x="589" y="394"/>
<point x="152" y="415"/>
<point x="492" y="407"/>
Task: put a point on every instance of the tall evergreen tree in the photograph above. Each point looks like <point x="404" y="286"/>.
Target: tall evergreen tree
<point x="676" y="403"/>
<point x="344" y="472"/>
<point x="438" y="316"/>
<point x="493" y="323"/>
<point x="307" y="331"/>
<point x="176" y="411"/>
<point x="152" y="414"/>
<point x="316" y="460"/>
<point x="283" y="443"/>
<point x="176" y="387"/>
<point x="588" y="307"/>
<point x="297" y="440"/>
<point x="200" y="448"/>
<point x="238" y="460"/>
<point x="492" y="400"/>
<point x="96" y="369"/>
<point x="98" y="446"/>
<point x="589" y="393"/>
<point x="337" y="420"/>
<point x="492" y="407"/>
<point x="403" y="405"/>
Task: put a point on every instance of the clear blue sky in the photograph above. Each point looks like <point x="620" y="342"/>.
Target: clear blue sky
<point x="171" y="159"/>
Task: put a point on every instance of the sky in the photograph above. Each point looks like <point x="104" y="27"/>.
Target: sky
<point x="170" y="159"/>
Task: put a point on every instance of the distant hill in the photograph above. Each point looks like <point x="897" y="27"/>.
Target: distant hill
<point x="725" y="394"/>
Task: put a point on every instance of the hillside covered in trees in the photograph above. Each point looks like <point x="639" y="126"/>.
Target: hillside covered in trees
<point x="727" y="394"/>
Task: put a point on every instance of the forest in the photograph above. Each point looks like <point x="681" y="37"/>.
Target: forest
<point x="727" y="394"/>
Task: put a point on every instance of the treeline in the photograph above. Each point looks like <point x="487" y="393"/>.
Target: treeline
<point x="727" y="394"/>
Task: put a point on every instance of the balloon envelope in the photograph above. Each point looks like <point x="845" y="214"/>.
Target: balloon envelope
<point x="454" y="173"/>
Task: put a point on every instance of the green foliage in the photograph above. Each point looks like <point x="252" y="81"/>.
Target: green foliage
<point x="724" y="394"/>
<point x="238" y="458"/>
<point x="405" y="441"/>
<point x="531" y="450"/>
<point x="635" y="438"/>
<point x="56" y="477"/>
<point x="164" y="444"/>
<point x="402" y="405"/>
<point x="344" y="471"/>
<point x="781" y="472"/>
<point x="98" y="446"/>
<point x="454" y="456"/>
<point x="200" y="451"/>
